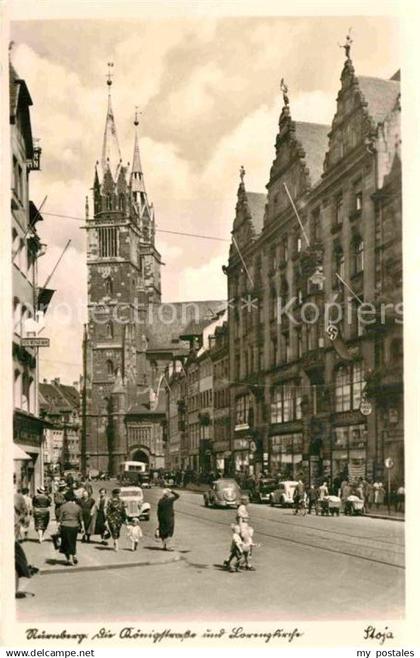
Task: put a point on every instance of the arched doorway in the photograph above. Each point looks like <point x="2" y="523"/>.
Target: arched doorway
<point x="140" y="456"/>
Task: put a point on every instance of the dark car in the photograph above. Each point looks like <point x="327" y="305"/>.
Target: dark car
<point x="223" y="493"/>
<point x="263" y="489"/>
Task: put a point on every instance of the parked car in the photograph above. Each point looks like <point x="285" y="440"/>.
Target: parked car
<point x="263" y="489"/>
<point x="135" y="505"/>
<point x="223" y="493"/>
<point x="283" y="494"/>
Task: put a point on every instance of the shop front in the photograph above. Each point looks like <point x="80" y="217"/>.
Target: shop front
<point x="222" y="455"/>
<point x="348" y="454"/>
<point x="242" y="455"/>
<point x="286" y="455"/>
<point x="28" y="435"/>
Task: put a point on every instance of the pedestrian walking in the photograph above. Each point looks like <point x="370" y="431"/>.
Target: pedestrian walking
<point x="115" y="516"/>
<point x="242" y="514"/>
<point x="299" y="497"/>
<point x="134" y="533"/>
<point x="312" y="498"/>
<point x="247" y="534"/>
<point x="166" y="517"/>
<point x="323" y="491"/>
<point x="41" y="508"/>
<point x="99" y="517"/>
<point x="59" y="499"/>
<point x="236" y="549"/>
<point x="29" y="509"/>
<point x="70" y="523"/>
<point x="21" y="515"/>
<point x="86" y="505"/>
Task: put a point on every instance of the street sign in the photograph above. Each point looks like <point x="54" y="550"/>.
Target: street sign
<point x="35" y="342"/>
<point x="365" y="407"/>
<point x="389" y="463"/>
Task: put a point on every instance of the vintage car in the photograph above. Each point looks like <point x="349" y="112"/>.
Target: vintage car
<point x="283" y="494"/>
<point x="133" y="500"/>
<point x="223" y="493"/>
<point x="263" y="489"/>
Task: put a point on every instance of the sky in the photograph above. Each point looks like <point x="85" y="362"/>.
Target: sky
<point x="208" y="90"/>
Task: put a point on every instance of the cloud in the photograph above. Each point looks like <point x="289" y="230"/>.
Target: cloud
<point x="202" y="282"/>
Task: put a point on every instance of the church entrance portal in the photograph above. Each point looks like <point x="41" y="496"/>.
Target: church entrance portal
<point x="140" y="456"/>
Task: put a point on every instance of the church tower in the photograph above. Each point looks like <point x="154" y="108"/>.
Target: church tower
<point x="123" y="280"/>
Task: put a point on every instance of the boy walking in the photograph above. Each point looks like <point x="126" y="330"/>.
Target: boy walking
<point x="236" y="549"/>
<point x="134" y="533"/>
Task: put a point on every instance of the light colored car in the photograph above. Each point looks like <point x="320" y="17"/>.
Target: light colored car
<point x="283" y="494"/>
<point x="135" y="505"/>
<point x="223" y="493"/>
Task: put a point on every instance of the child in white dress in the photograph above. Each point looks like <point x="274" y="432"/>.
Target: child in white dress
<point x="134" y="533"/>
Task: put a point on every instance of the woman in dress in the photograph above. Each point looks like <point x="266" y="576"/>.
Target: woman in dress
<point x="70" y="519"/>
<point x="115" y="516"/>
<point x="41" y="503"/>
<point x="166" y="517"/>
<point x="99" y="516"/>
<point x="87" y="504"/>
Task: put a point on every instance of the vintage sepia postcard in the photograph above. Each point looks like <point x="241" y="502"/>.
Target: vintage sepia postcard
<point x="209" y="375"/>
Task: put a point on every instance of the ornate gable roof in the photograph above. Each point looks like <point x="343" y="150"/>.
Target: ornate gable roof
<point x="362" y="104"/>
<point x="249" y="216"/>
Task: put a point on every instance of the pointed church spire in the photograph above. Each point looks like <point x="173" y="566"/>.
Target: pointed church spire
<point x="137" y="179"/>
<point x="111" y="154"/>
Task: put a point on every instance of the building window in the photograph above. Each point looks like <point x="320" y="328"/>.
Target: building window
<point x="298" y="244"/>
<point x="339" y="209"/>
<point x="242" y="410"/>
<point x="121" y="202"/>
<point x="316" y="225"/>
<point x="108" y="242"/>
<point x="358" y="201"/>
<point x="339" y="262"/>
<point x="286" y="344"/>
<point x="349" y="384"/>
<point x="343" y="389"/>
<point x="274" y="350"/>
<point x="109" y="330"/>
<point x="285" y="249"/>
<point x="286" y="403"/>
<point x="358" y="256"/>
<point x="273" y="304"/>
<point x="109" y="367"/>
<point x="108" y="287"/>
<point x="17" y="389"/>
<point x="299" y="343"/>
<point x="108" y="202"/>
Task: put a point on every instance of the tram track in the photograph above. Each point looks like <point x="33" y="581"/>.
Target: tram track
<point x="299" y="542"/>
<point x="306" y="526"/>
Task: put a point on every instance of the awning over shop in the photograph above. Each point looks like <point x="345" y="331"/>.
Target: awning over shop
<point x="19" y="454"/>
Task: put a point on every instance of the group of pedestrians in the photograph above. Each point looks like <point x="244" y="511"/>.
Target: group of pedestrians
<point x="242" y="541"/>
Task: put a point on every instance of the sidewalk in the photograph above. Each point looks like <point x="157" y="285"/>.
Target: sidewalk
<point x="382" y="513"/>
<point x="95" y="556"/>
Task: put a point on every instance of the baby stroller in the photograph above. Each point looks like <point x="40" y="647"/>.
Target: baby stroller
<point x="328" y="505"/>
<point x="354" y="506"/>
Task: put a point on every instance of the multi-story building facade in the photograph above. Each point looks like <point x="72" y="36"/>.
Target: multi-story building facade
<point x="28" y="427"/>
<point x="60" y="407"/>
<point x="219" y="354"/>
<point x="303" y="403"/>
